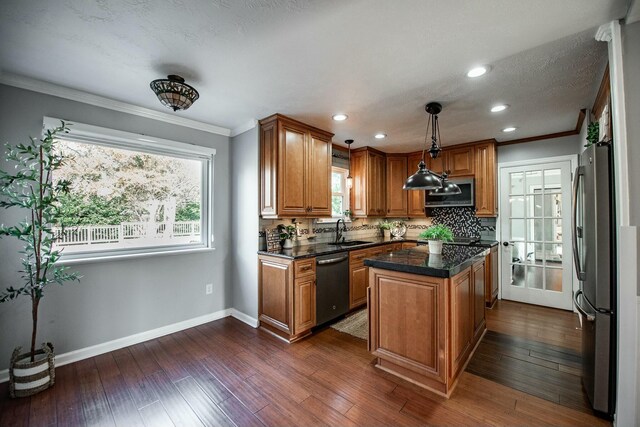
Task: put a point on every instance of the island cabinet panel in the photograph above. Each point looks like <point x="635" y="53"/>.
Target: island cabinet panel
<point x="461" y="292"/>
<point x="409" y="323"/>
<point x="485" y="174"/>
<point x="415" y="198"/>
<point x="478" y="276"/>
<point x="295" y="169"/>
<point x="491" y="277"/>
<point x="287" y="296"/>
<point x="396" y="177"/>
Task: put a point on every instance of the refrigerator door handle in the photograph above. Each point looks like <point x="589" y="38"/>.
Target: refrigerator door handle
<point x="574" y="222"/>
<point x="589" y="317"/>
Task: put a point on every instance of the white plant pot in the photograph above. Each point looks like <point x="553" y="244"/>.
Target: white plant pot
<point x="27" y="378"/>
<point x="386" y="234"/>
<point x="435" y="247"/>
<point x="288" y="244"/>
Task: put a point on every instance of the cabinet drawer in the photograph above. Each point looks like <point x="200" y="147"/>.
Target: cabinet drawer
<point x="379" y="250"/>
<point x="358" y="256"/>
<point x="305" y="267"/>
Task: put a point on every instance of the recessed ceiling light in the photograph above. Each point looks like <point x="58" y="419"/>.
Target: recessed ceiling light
<point x="477" y="71"/>
<point x="498" y="108"/>
<point x="509" y="129"/>
<point x="339" y="117"/>
<point x="380" y="135"/>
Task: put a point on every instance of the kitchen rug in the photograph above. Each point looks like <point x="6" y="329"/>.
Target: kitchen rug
<point x="356" y="325"/>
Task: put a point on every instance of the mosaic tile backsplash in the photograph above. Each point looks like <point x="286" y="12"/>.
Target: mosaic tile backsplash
<point x="462" y="221"/>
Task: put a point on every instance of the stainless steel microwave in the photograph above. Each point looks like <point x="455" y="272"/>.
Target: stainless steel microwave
<point x="466" y="198"/>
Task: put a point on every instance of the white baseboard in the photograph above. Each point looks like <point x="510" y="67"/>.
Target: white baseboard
<point x="95" y="350"/>
<point x="254" y="323"/>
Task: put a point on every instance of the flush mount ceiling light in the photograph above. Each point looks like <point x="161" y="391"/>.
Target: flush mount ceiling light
<point x="499" y="107"/>
<point x="425" y="179"/>
<point x="339" y="117"/>
<point x="509" y="129"/>
<point x="380" y="136"/>
<point x="174" y="92"/>
<point x="349" y="178"/>
<point x="477" y="71"/>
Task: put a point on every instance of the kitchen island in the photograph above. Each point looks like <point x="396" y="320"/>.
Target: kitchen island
<point x="426" y="313"/>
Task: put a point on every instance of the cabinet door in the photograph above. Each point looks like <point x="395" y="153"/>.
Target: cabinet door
<point x="358" y="285"/>
<point x="485" y="173"/>
<point x="358" y="198"/>
<point x="478" y="297"/>
<point x="461" y="319"/>
<point x="460" y="161"/>
<point x="275" y="279"/>
<point x="319" y="176"/>
<point x="437" y="165"/>
<point x="292" y="154"/>
<point x="396" y="176"/>
<point x="415" y="198"/>
<point x="376" y="194"/>
<point x="491" y="277"/>
<point x="304" y="307"/>
<point x="268" y="169"/>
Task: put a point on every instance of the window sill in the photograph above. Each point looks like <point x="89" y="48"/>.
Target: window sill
<point x="331" y="220"/>
<point x="131" y="256"/>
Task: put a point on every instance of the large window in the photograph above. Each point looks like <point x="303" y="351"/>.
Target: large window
<point x="132" y="194"/>
<point x="339" y="192"/>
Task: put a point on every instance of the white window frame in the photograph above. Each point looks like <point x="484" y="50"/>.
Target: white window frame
<point x="346" y="196"/>
<point x="90" y="134"/>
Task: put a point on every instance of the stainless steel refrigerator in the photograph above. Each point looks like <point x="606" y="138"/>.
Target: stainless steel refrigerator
<point x="594" y="259"/>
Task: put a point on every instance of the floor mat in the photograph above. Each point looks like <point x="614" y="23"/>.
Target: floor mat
<point x="357" y="325"/>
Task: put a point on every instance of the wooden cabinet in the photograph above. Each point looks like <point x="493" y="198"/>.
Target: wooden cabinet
<point x="409" y="245"/>
<point x="295" y="169"/>
<point x="439" y="164"/>
<point x="396" y="171"/>
<point x="287" y="296"/>
<point x="368" y="194"/>
<point x="491" y="277"/>
<point x="478" y="275"/>
<point x="486" y="180"/>
<point x="461" y="320"/>
<point x="415" y="198"/>
<point x="359" y="273"/>
<point x="460" y="161"/>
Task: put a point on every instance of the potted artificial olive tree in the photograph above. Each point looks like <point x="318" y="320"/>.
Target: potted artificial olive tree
<point x="31" y="186"/>
<point x="436" y="234"/>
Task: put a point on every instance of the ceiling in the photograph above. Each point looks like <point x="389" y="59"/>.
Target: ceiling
<point x="378" y="61"/>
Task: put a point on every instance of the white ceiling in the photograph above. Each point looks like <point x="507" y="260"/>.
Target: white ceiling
<point x="378" y="61"/>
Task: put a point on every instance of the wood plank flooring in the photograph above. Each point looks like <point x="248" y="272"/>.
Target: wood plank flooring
<point x="227" y="373"/>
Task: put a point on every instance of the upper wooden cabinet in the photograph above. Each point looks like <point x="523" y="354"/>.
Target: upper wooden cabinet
<point x="295" y="169"/>
<point x="368" y="194"/>
<point x="415" y="198"/>
<point x="454" y="161"/>
<point x="485" y="174"/>
<point x="396" y="177"/>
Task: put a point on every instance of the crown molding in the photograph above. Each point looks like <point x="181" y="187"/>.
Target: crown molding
<point x="604" y="32"/>
<point x="243" y="128"/>
<point x="111" y="104"/>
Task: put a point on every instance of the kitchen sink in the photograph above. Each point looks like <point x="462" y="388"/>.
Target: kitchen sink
<point x="351" y="243"/>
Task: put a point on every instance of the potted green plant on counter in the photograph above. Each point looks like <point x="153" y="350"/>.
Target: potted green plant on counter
<point x="287" y="233"/>
<point x="436" y="235"/>
<point x="31" y="186"/>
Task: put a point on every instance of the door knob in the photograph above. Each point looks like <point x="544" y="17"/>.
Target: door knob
<point x="505" y="243"/>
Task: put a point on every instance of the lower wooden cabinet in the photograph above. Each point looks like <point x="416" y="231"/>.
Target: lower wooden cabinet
<point x="287" y="296"/>
<point x="461" y="292"/>
<point x="359" y="273"/>
<point x="491" y="278"/>
<point x="409" y="245"/>
<point x="478" y="276"/>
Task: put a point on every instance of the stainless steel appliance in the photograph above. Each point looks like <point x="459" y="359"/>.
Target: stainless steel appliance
<point x="332" y="286"/>
<point x="465" y="198"/>
<point x="594" y="259"/>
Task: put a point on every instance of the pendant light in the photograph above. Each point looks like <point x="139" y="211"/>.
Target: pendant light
<point x="424" y="179"/>
<point x="448" y="188"/>
<point x="174" y="93"/>
<point x="349" y="178"/>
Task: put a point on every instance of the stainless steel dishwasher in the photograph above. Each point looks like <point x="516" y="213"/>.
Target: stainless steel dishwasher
<point x="332" y="286"/>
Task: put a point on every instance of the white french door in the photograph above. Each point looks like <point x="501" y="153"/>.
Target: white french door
<point x="535" y="229"/>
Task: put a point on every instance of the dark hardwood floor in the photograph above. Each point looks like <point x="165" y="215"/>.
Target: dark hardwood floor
<point x="227" y="373"/>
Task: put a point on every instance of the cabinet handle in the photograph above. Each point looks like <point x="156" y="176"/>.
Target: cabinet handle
<point x="307" y="268"/>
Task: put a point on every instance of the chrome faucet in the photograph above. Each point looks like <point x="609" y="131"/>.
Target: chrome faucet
<point x="338" y="231"/>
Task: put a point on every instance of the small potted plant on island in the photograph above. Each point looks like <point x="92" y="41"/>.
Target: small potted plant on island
<point x="31" y="186"/>
<point x="436" y="234"/>
<point x="287" y="234"/>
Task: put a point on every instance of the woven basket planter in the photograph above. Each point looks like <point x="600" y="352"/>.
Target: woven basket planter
<point x="27" y="378"/>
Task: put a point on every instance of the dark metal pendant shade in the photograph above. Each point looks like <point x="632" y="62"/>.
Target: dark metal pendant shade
<point x="448" y="189"/>
<point x="423" y="179"/>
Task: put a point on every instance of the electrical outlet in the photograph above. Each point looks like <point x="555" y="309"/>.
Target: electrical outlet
<point x="208" y="288"/>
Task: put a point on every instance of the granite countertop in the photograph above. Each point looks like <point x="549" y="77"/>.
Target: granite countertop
<point x="309" y="251"/>
<point x="417" y="260"/>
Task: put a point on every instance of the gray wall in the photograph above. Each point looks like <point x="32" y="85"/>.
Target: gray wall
<point x="116" y="298"/>
<point x="244" y="223"/>
<point x="539" y="149"/>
